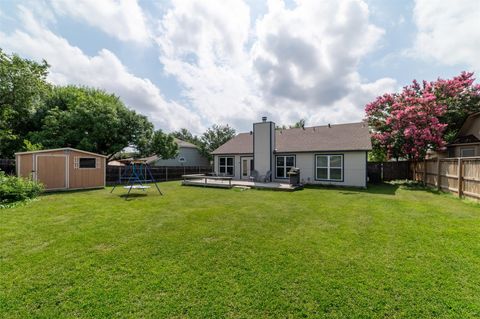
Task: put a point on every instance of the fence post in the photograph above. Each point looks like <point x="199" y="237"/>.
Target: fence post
<point x="424" y="172"/>
<point x="460" y="173"/>
<point x="438" y="174"/>
<point x="166" y="173"/>
<point x="414" y="171"/>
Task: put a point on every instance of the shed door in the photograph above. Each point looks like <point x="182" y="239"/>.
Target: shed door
<point x="52" y="171"/>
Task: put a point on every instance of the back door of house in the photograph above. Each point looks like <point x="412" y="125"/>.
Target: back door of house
<point x="51" y="170"/>
<point x="247" y="167"/>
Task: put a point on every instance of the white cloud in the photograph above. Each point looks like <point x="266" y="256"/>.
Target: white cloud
<point x="310" y="54"/>
<point x="294" y="63"/>
<point x="69" y="65"/>
<point x="122" y="19"/>
<point x="203" y="46"/>
<point x="448" y="31"/>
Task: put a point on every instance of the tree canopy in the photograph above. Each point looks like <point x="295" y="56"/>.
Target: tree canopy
<point x="163" y="145"/>
<point x="91" y="120"/>
<point x="35" y="114"/>
<point x="23" y="86"/>
<point x="421" y="117"/>
<point x="215" y="136"/>
<point x="185" y="135"/>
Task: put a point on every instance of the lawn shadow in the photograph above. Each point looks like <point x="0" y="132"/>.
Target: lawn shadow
<point x="70" y="191"/>
<point x="418" y="186"/>
<point x="133" y="196"/>
<point x="383" y="189"/>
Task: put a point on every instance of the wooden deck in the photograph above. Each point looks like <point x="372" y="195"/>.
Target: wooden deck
<point x="228" y="182"/>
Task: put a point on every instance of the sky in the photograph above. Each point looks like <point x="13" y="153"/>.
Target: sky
<point x="191" y="64"/>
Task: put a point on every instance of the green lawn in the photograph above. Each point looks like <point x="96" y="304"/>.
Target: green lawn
<point x="387" y="252"/>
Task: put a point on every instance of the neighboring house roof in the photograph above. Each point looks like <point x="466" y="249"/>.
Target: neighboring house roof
<point x="185" y="144"/>
<point x="61" y="149"/>
<point x="467" y="133"/>
<point x="339" y="137"/>
<point x="466" y="139"/>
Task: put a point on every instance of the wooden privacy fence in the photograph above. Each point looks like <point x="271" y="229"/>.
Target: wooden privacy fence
<point x="8" y="166"/>
<point x="388" y="171"/>
<point x="160" y="173"/>
<point x="457" y="175"/>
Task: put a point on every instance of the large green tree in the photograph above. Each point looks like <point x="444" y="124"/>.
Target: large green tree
<point x="91" y="120"/>
<point x="163" y="145"/>
<point x="185" y="135"/>
<point x="23" y="86"/>
<point x="215" y="136"/>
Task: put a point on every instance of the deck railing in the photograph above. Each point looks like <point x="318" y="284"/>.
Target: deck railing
<point x="192" y="179"/>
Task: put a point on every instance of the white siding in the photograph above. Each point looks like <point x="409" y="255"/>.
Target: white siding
<point x="236" y="162"/>
<point x="354" y="168"/>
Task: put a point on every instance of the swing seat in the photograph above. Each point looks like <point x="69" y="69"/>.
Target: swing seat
<point x="136" y="187"/>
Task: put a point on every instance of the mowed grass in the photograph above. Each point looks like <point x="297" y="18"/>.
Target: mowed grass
<point x="387" y="252"/>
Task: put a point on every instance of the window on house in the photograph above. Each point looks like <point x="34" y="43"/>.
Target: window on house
<point x="284" y="164"/>
<point x="226" y="165"/>
<point x="467" y="152"/>
<point x="329" y="167"/>
<point x="87" y="162"/>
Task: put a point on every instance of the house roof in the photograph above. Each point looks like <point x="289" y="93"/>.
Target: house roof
<point x="185" y="144"/>
<point x="60" y="149"/>
<point x="466" y="139"/>
<point x="467" y="133"/>
<point x="339" y="137"/>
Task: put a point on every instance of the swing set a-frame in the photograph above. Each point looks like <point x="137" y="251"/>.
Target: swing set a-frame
<point x="137" y="174"/>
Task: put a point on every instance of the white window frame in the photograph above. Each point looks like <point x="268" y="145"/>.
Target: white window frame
<point x="467" y="149"/>
<point x="284" y="166"/>
<point x="226" y="166"/>
<point x="76" y="162"/>
<point x="328" y="167"/>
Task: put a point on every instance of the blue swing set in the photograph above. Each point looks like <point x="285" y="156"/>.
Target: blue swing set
<point x="136" y="175"/>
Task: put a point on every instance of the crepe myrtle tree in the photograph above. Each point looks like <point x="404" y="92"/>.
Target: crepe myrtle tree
<point x="421" y="117"/>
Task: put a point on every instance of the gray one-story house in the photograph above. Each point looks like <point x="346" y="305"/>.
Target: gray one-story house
<point x="330" y="154"/>
<point x="188" y="155"/>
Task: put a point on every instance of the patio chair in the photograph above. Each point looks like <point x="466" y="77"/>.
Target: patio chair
<point x="267" y="178"/>
<point x="254" y="176"/>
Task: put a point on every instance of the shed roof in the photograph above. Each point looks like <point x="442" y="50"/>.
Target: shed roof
<point x="339" y="137"/>
<point x="60" y="149"/>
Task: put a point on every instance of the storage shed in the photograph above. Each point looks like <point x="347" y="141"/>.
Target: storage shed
<point x="63" y="168"/>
